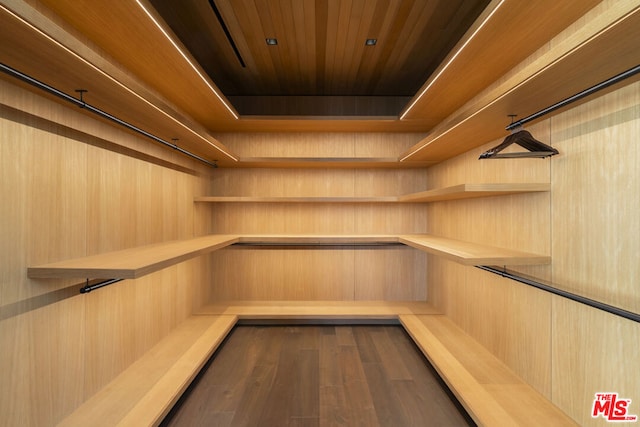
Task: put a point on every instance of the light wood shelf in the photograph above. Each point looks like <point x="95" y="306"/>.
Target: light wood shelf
<point x="134" y="262"/>
<point x="462" y="252"/>
<point x="144" y="393"/>
<point x="467" y="253"/>
<point x="596" y="52"/>
<point x="327" y="162"/>
<point x="470" y="191"/>
<point x="317" y="310"/>
<point x="490" y="392"/>
<point x="461" y="191"/>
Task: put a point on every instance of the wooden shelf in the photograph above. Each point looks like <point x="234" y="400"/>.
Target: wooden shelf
<point x="472" y="253"/>
<point x="596" y="52"/>
<point x="470" y="191"/>
<point x="134" y="262"/>
<point x="317" y="310"/>
<point x="487" y="388"/>
<point x="456" y="250"/>
<point x="145" y="392"/>
<point x="327" y="162"/>
<point x="462" y="191"/>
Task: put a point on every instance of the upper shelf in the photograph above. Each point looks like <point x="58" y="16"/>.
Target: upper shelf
<point x="470" y="191"/>
<point x="596" y="52"/>
<point x="136" y="262"/>
<point x="328" y="162"/>
<point x="462" y="191"/>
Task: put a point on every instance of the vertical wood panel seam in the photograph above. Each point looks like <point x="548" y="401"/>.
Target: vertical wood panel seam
<point x="551" y="302"/>
<point x="354" y="177"/>
<point x="551" y="298"/>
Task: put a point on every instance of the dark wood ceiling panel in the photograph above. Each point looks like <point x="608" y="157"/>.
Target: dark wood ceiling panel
<point x="398" y="42"/>
<point x="246" y="15"/>
<point x="289" y="55"/>
<point x="321" y="43"/>
<point x="309" y="32"/>
<point x="321" y="19"/>
<point x="336" y="34"/>
<point x="253" y="79"/>
<point x="433" y="41"/>
<point x="378" y="26"/>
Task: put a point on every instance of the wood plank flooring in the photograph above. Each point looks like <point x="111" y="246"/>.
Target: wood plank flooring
<point x="317" y="375"/>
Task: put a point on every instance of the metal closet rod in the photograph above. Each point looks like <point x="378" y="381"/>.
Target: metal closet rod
<point x="91" y="287"/>
<point x="316" y="244"/>
<point x="80" y="103"/>
<point x="574" y="297"/>
<point x="577" y="96"/>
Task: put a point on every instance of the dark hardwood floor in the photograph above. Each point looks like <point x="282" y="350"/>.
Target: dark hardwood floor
<point x="317" y="376"/>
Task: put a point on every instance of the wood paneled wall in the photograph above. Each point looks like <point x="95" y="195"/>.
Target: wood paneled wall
<point x="397" y="273"/>
<point x="73" y="186"/>
<point x="589" y="225"/>
<point x="319" y="144"/>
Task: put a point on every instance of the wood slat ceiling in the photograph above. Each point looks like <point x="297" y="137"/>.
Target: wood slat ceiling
<point x="321" y="43"/>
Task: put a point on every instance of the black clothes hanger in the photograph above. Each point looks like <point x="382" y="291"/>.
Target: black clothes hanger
<point x="523" y="138"/>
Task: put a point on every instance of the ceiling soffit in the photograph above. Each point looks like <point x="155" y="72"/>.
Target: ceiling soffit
<point x="122" y="34"/>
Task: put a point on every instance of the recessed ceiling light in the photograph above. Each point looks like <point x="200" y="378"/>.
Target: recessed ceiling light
<point x="272" y="42"/>
<point x="370" y="42"/>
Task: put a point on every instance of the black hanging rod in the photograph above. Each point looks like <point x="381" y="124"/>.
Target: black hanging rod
<point x="574" y="297"/>
<point x="82" y="104"/>
<point x="314" y="245"/>
<point x="577" y="96"/>
<point x="91" y="287"/>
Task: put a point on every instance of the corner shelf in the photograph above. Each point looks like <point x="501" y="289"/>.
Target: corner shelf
<point x="136" y="262"/>
<point x="504" y="399"/>
<point x="462" y="191"/>
<point x="462" y="252"/>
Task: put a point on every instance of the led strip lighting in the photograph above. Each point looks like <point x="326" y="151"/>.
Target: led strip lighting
<point x="60" y="45"/>
<point x="525" y="81"/>
<point x="186" y="58"/>
<point x="413" y="103"/>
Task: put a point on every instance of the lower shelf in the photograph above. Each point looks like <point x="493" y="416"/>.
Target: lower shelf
<point x="490" y="392"/>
